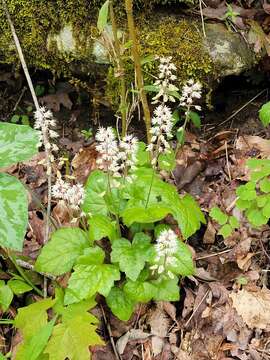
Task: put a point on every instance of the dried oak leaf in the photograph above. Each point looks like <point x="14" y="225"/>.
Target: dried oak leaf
<point x="54" y="101"/>
<point x="253" y="307"/>
<point x="249" y="142"/>
<point x="84" y="162"/>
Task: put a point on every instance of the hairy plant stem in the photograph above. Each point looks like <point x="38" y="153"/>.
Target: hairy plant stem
<point x="120" y="73"/>
<point x="150" y="189"/>
<point x="23" y="275"/>
<point x="137" y="65"/>
<point x="35" y="100"/>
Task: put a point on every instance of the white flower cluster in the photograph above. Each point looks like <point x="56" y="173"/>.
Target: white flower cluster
<point x="45" y="122"/>
<point x="72" y="194"/>
<point x="165" y="80"/>
<point x="166" y="248"/>
<point x="116" y="157"/>
<point x="161" y="130"/>
<point x="191" y="91"/>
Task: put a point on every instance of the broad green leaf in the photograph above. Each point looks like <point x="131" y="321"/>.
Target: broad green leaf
<point x="218" y="215"/>
<point x="247" y="191"/>
<point x="166" y="161"/>
<point x="6" y="296"/>
<point x="243" y="204"/>
<point x="256" y="217"/>
<point x="143" y="156"/>
<point x="103" y="16"/>
<point x="17" y="143"/>
<point x="265" y="185"/>
<point x="181" y="264"/>
<point x="140" y="291"/>
<point x="233" y="221"/>
<point x="2" y="357"/>
<point x="13" y="212"/>
<point x="95" y="191"/>
<point x="37" y="312"/>
<point x="226" y="230"/>
<point x="166" y="289"/>
<point x="34" y="346"/>
<point x="72" y="339"/>
<point x="87" y="280"/>
<point x="101" y="226"/>
<point x="151" y="88"/>
<point x="162" y="196"/>
<point x="140" y="214"/>
<point x="258" y="164"/>
<point x="91" y="256"/>
<point x="180" y="135"/>
<point x="18" y="286"/>
<point x="195" y="118"/>
<point x="60" y="253"/>
<point x="262" y="200"/>
<point x="266" y="210"/>
<point x="120" y="305"/>
<point x="132" y="256"/>
<point x="264" y="114"/>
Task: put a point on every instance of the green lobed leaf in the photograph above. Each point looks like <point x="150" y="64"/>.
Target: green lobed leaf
<point x="72" y="338"/>
<point x="13" y="212"/>
<point x="163" y="197"/>
<point x="37" y="312"/>
<point x="265" y="185"/>
<point x="120" y="304"/>
<point x="6" y="296"/>
<point x="95" y="191"/>
<point x="33" y="347"/>
<point x="218" y="215"/>
<point x="140" y="291"/>
<point x="140" y="214"/>
<point x="166" y="289"/>
<point x="243" y="204"/>
<point x="143" y="156"/>
<point x="103" y="16"/>
<point x="266" y="210"/>
<point x="264" y="114"/>
<point x="92" y="255"/>
<point x="87" y="280"/>
<point x="233" y="221"/>
<point x="167" y="161"/>
<point x="195" y="118"/>
<point x="19" y="287"/>
<point x="247" y="191"/>
<point x="101" y="226"/>
<point x="256" y="217"/>
<point x="132" y="256"/>
<point x="226" y="230"/>
<point x="59" y="254"/>
<point x="17" y="143"/>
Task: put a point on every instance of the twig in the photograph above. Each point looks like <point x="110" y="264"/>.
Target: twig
<point x="201" y="12"/>
<point x="137" y="65"/>
<point x="195" y="310"/>
<point x="31" y="88"/>
<point x="118" y="357"/>
<point x="242" y="107"/>
<point x="212" y="255"/>
<point x="26" y="265"/>
<point x="20" y="98"/>
<point x="227" y="161"/>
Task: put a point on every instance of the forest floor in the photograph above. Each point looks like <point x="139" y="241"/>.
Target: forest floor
<point x="209" y="321"/>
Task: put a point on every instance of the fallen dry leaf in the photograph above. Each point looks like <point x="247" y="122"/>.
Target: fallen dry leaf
<point x="84" y="162"/>
<point x="54" y="101"/>
<point x="253" y="307"/>
<point x="249" y="143"/>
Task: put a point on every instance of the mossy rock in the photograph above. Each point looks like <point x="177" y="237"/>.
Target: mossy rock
<point x="60" y="35"/>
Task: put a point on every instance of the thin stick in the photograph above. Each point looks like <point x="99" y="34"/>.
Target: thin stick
<point x="118" y="357"/>
<point x="195" y="310"/>
<point x="137" y="64"/>
<point x="227" y="161"/>
<point x="242" y="107"/>
<point x="212" y="255"/>
<point x="26" y="265"/>
<point x="31" y="88"/>
<point x="121" y="73"/>
<point x="201" y="12"/>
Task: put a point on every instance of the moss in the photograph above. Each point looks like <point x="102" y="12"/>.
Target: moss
<point x="34" y="20"/>
<point x="180" y="39"/>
